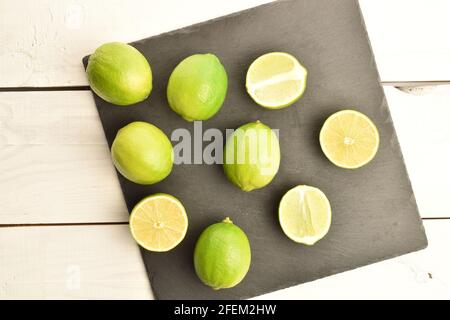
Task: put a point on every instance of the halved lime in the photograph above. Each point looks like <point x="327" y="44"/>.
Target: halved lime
<point x="158" y="222"/>
<point x="305" y="214"/>
<point x="276" y="80"/>
<point x="349" y="139"/>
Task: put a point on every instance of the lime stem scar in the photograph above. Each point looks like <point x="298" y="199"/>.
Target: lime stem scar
<point x="227" y="220"/>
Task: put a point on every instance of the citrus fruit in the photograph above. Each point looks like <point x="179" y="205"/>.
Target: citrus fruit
<point x="222" y="255"/>
<point x="158" y="222"/>
<point x="349" y="139"/>
<point x="276" y="80"/>
<point x="119" y="74"/>
<point x="305" y="214"/>
<point x="252" y="156"/>
<point x="197" y="87"/>
<point x="142" y="153"/>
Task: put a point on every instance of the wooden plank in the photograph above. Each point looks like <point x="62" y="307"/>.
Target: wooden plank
<point x="88" y="262"/>
<point x="49" y="118"/>
<point x="56" y="166"/>
<point x="98" y="262"/>
<point x="407" y="38"/>
<point x="59" y="184"/>
<point x="43" y="42"/>
<point x="55" y="156"/>
<point x="422" y="125"/>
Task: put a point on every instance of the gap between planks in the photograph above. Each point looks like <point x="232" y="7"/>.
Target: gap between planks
<point x="32" y="89"/>
<point x="85" y="88"/>
<point x="63" y="224"/>
<point x="78" y="224"/>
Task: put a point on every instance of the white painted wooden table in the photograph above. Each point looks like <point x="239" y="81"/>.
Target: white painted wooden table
<point x="63" y="221"/>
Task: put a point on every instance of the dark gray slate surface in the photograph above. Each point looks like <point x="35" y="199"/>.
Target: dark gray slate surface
<point x="375" y="216"/>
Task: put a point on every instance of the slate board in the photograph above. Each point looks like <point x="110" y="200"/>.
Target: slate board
<point x="375" y="216"/>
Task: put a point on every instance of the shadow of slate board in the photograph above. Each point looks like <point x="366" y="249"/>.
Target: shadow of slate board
<point x="375" y="216"/>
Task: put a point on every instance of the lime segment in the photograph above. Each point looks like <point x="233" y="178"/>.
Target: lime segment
<point x="305" y="214"/>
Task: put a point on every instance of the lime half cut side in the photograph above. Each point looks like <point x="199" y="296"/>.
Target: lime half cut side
<point x="158" y="222"/>
<point x="305" y="214"/>
<point x="276" y="80"/>
<point x="349" y="139"/>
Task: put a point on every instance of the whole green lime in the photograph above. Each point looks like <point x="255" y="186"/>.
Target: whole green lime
<point x="119" y="74"/>
<point x="252" y="156"/>
<point x="197" y="87"/>
<point x="142" y="153"/>
<point x="222" y="255"/>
